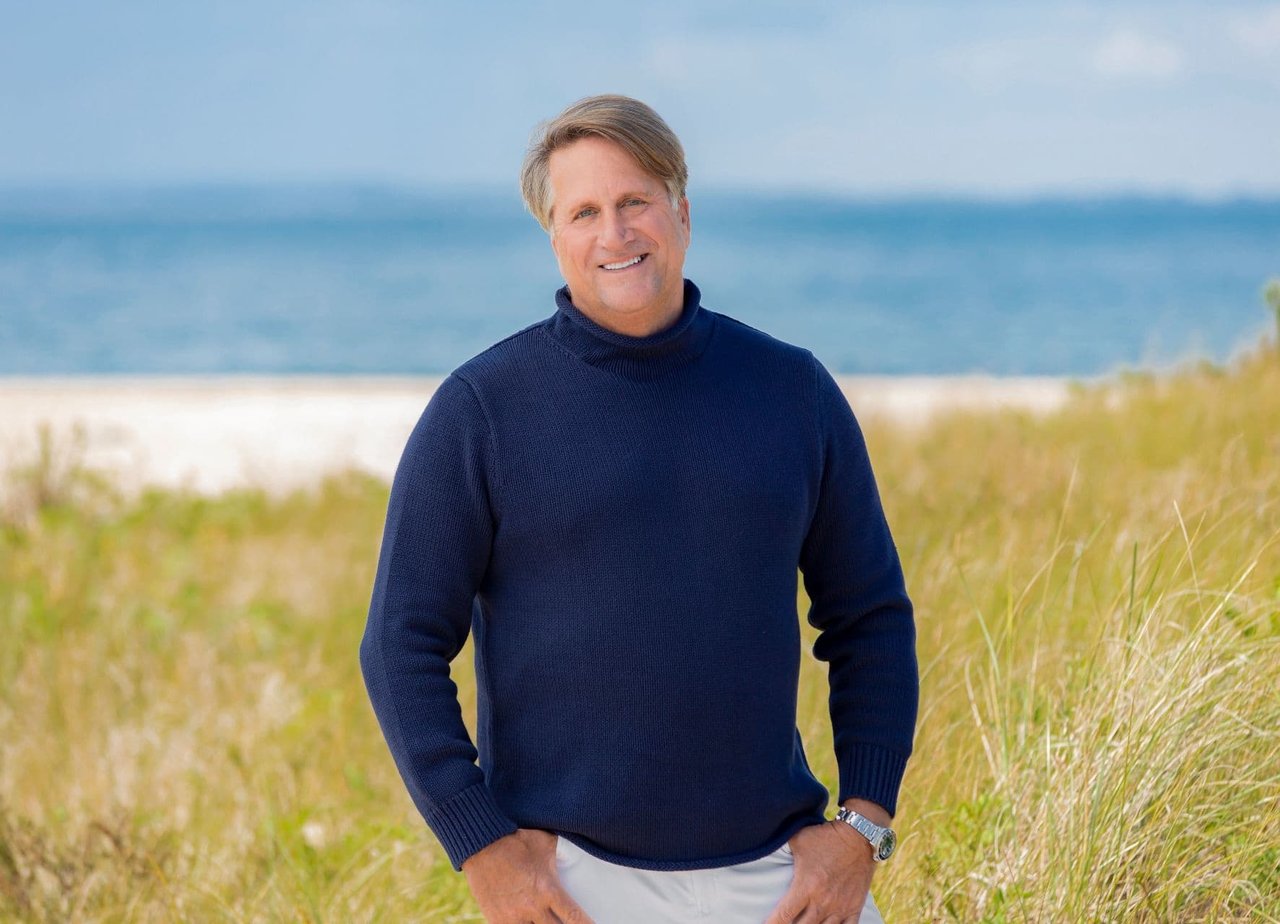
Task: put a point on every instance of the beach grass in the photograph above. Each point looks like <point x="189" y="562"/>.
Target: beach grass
<point x="184" y="734"/>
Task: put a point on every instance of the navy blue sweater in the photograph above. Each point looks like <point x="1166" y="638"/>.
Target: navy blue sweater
<point x="619" y="521"/>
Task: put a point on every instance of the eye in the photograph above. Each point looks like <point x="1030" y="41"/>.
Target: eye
<point x="585" y="213"/>
<point x="633" y="201"/>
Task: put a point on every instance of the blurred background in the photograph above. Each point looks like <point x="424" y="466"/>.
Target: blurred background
<point x="288" y="187"/>
<point x="239" y="243"/>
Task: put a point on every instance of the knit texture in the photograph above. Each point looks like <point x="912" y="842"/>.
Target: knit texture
<point x="618" y="521"/>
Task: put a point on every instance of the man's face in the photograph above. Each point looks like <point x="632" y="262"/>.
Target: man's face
<point x="619" y="241"/>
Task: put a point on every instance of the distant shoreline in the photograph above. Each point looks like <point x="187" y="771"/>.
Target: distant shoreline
<point x="210" y="433"/>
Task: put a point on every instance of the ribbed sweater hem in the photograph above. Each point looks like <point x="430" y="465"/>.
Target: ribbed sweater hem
<point x="873" y="773"/>
<point x="733" y="859"/>
<point x="469" y="822"/>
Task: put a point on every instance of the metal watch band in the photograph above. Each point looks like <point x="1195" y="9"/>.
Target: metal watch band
<point x="883" y="840"/>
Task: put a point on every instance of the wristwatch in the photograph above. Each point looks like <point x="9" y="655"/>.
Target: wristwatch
<point x="883" y="840"/>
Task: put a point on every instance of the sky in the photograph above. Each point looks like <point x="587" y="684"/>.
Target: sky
<point x="872" y="98"/>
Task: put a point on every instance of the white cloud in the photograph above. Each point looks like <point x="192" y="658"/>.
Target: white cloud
<point x="1257" y="31"/>
<point x="1131" y="54"/>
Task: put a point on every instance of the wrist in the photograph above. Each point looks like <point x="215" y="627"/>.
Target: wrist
<point x="870" y="810"/>
<point x="881" y="840"/>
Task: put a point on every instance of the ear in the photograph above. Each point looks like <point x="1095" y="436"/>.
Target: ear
<point x="683" y="211"/>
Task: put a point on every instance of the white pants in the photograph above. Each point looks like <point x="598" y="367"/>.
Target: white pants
<point x="745" y="893"/>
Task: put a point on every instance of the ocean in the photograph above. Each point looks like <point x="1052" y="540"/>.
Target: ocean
<point x="363" y="280"/>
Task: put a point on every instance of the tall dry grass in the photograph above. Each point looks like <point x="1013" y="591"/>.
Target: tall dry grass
<point x="1099" y="610"/>
<point x="184" y="733"/>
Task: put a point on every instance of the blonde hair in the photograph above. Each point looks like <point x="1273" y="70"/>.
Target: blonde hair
<point x="627" y="122"/>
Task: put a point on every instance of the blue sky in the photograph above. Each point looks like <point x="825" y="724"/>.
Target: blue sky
<point x="986" y="98"/>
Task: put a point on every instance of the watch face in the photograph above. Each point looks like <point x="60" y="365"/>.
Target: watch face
<point x="887" y="843"/>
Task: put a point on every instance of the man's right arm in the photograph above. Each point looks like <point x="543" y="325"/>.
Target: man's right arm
<point x="435" y="548"/>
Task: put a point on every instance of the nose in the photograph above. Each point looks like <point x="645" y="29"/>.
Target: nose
<point x="615" y="233"/>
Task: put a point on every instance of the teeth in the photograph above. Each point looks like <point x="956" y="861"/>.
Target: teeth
<point x="616" y="266"/>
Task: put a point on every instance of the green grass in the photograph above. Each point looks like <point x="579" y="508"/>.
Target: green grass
<point x="184" y="733"/>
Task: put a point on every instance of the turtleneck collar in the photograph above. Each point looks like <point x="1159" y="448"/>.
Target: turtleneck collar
<point x="634" y="357"/>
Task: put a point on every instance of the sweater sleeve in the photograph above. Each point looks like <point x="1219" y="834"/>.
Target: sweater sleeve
<point x="435" y="549"/>
<point x="859" y="603"/>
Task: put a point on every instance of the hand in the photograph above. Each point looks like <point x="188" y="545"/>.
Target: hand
<point x="833" y="869"/>
<point x="514" y="881"/>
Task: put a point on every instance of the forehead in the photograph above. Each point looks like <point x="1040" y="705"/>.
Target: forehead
<point x="595" y="166"/>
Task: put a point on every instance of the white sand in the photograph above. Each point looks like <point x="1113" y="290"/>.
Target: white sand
<point x="282" y="432"/>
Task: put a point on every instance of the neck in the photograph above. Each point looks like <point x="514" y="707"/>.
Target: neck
<point x="679" y="340"/>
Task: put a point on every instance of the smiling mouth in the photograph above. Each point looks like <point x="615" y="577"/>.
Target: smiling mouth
<point x="624" y="264"/>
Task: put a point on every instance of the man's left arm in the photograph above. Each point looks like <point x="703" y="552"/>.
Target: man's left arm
<point x="859" y="604"/>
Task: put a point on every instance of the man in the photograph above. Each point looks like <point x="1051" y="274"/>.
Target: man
<point x="616" y="501"/>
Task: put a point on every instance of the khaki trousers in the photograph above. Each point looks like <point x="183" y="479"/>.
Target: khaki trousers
<point x="745" y="893"/>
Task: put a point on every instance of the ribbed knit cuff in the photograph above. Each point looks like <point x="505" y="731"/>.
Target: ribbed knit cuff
<point x="468" y="822"/>
<point x="872" y="773"/>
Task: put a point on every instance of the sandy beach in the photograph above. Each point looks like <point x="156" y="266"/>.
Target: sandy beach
<point x="212" y="433"/>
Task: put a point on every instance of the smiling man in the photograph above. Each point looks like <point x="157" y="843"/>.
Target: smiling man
<point x="611" y="210"/>
<point x="614" y="503"/>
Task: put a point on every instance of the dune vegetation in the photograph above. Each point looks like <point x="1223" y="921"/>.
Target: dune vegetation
<point x="184" y="734"/>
